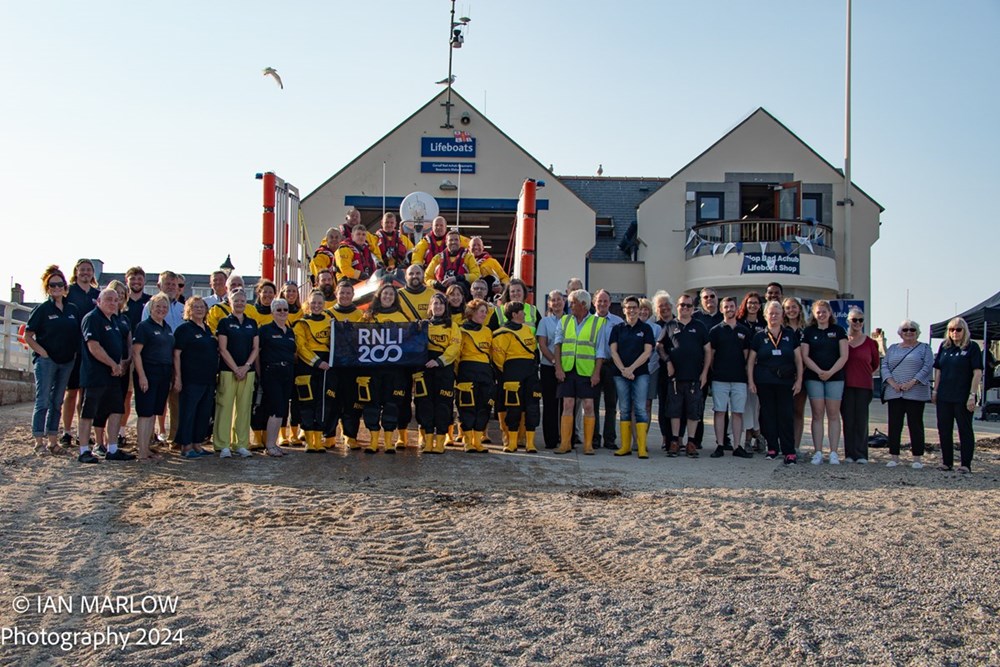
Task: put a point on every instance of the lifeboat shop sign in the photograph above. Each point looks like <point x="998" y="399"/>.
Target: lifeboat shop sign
<point x="755" y="262"/>
<point x="383" y="344"/>
<point x="457" y="146"/>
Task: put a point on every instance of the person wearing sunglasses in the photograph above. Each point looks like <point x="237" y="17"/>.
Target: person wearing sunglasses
<point x="685" y="349"/>
<point x="862" y="361"/>
<point x="53" y="334"/>
<point x="906" y="375"/>
<point x="958" y="369"/>
<point x="276" y="370"/>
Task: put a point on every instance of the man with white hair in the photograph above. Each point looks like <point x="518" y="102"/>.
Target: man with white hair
<point x="581" y="341"/>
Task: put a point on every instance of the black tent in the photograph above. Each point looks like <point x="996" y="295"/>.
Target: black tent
<point x="986" y="314"/>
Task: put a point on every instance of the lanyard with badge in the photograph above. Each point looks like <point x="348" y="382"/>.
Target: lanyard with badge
<point x="775" y="342"/>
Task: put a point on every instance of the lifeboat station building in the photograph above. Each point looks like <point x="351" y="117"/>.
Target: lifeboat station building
<point x="759" y="205"/>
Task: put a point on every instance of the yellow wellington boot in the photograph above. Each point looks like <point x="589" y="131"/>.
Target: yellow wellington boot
<point x="389" y="442"/>
<point x="480" y="447"/>
<point x="588" y="435"/>
<point x="426" y="442"/>
<point x="626" y="448"/>
<point x="402" y="435"/>
<point x="509" y="438"/>
<point x="352" y="443"/>
<point x="641" y="430"/>
<point x="504" y="432"/>
<point x="257" y="440"/>
<point x="330" y="443"/>
<point x="450" y="438"/>
<point x="284" y="436"/>
<point x="471" y="441"/>
<point x="300" y="437"/>
<point x="314" y="441"/>
<point x="521" y="432"/>
<point x="438" y="444"/>
<point x="529" y="442"/>
<point x="565" y="435"/>
<point x="373" y="440"/>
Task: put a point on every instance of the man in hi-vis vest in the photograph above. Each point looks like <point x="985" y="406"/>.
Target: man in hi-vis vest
<point x="581" y="344"/>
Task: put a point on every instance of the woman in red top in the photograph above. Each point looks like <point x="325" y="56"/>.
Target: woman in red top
<point x="862" y="362"/>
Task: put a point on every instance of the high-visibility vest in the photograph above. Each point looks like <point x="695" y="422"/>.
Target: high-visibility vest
<point x="580" y="352"/>
<point x="530" y="316"/>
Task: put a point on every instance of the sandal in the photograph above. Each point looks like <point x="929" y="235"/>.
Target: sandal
<point x="944" y="468"/>
<point x="274" y="450"/>
<point x="56" y="449"/>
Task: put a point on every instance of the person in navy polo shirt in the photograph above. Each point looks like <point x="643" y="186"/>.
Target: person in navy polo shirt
<point x="100" y="374"/>
<point x="685" y="348"/>
<point x="774" y="373"/>
<point x="729" y="341"/>
<point x="53" y="334"/>
<point x="631" y="344"/>
<point x="83" y="294"/>
<point x="153" y="357"/>
<point x="196" y="363"/>
<point x="958" y="369"/>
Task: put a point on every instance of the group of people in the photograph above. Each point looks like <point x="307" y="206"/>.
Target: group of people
<point x="244" y="374"/>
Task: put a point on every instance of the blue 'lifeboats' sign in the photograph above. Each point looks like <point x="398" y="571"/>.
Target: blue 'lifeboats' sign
<point x="447" y="147"/>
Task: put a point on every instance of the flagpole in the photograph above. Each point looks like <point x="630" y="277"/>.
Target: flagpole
<point x="383" y="188"/>
<point x="848" y="202"/>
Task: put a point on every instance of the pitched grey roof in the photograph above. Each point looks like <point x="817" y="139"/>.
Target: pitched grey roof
<point x="616" y="198"/>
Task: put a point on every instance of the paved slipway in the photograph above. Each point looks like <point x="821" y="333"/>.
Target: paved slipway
<point x="461" y="559"/>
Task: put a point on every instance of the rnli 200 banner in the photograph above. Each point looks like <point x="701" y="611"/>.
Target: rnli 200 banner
<point x="770" y="263"/>
<point x="368" y="344"/>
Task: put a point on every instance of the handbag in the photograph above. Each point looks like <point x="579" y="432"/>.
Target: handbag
<point x="886" y="384"/>
<point x="878" y="439"/>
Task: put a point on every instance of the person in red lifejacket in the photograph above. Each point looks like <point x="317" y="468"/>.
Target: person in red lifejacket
<point x="354" y="258"/>
<point x="434" y="242"/>
<point x="351" y="220"/>
<point x="393" y="245"/>
<point x="455" y="265"/>
<point x="489" y="268"/>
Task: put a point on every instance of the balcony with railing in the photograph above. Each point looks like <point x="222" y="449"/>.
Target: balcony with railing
<point x="775" y="233"/>
<point x="715" y="253"/>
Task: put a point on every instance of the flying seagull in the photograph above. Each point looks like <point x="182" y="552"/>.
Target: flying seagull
<point x="600" y="170"/>
<point x="270" y="71"/>
<point x="447" y="80"/>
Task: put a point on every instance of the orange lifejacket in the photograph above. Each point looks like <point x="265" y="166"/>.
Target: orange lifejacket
<point x="451" y="266"/>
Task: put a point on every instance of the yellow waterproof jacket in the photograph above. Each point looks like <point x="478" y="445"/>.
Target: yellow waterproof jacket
<point x="514" y="341"/>
<point x="443" y="341"/>
<point x="312" y="338"/>
<point x="216" y="314"/>
<point x="415" y="304"/>
<point x="477" y="343"/>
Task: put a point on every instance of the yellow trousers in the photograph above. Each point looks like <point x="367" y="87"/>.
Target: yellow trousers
<point x="233" y="402"/>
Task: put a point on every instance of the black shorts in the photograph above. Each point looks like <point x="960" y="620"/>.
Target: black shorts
<point x="277" y="382"/>
<point x="101" y="402"/>
<point x="576" y="386"/>
<point x="685" y="400"/>
<point x="74" y="375"/>
<point x="154" y="401"/>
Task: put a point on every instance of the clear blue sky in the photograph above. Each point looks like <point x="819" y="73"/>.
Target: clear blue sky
<point x="131" y="131"/>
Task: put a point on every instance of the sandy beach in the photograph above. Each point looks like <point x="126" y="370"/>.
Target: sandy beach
<point x="500" y="559"/>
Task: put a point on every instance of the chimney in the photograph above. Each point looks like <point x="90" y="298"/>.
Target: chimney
<point x="17" y="293"/>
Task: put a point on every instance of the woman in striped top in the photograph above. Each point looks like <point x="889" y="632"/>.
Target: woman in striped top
<point x="906" y="371"/>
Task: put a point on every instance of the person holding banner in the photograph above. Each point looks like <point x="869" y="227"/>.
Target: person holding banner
<point x="515" y="354"/>
<point x="474" y="384"/>
<point x="414" y="300"/>
<point x="347" y="401"/>
<point x="314" y="385"/>
<point x="239" y="346"/>
<point x="434" y="387"/>
<point x="386" y="387"/>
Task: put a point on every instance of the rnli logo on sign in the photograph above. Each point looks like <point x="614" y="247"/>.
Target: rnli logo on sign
<point x="380" y="346"/>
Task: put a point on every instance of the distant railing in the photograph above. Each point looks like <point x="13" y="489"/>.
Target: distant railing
<point x="15" y="354"/>
<point x="755" y="232"/>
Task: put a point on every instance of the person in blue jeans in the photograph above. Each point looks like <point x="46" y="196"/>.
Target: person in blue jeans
<point x="631" y="344"/>
<point x="53" y="334"/>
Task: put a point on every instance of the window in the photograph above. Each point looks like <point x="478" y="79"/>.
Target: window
<point x="711" y="206"/>
<point x="605" y="226"/>
<point x="812" y="207"/>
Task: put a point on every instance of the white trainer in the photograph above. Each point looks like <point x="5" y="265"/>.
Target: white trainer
<point x="916" y="465"/>
<point x="862" y="461"/>
<point x="244" y="452"/>
<point x="834" y="459"/>
<point x="817" y="458"/>
<point x="225" y="453"/>
<point x="892" y="464"/>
